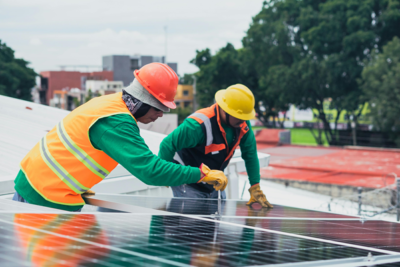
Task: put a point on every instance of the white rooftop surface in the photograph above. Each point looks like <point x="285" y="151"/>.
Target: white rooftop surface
<point x="22" y="124"/>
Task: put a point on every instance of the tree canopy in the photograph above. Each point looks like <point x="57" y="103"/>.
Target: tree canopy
<point x="216" y="72"/>
<point x="303" y="52"/>
<point x="381" y="84"/>
<point x="16" y="78"/>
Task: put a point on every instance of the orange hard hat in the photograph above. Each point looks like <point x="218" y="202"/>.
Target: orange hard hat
<point x="160" y="80"/>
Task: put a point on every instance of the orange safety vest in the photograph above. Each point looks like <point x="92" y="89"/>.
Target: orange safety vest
<point x="214" y="152"/>
<point x="64" y="164"/>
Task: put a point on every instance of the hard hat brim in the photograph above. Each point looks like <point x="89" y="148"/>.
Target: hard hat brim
<point x="171" y="105"/>
<point x="219" y="98"/>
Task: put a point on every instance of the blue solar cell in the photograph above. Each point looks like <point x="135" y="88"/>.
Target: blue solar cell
<point x="374" y="233"/>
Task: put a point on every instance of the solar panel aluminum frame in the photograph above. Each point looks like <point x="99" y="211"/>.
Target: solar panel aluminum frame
<point x="8" y="205"/>
<point x="349" y="262"/>
<point x="207" y="207"/>
<point x="301" y="236"/>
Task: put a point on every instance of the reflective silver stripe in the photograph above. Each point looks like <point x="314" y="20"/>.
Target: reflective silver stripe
<point x="178" y="159"/>
<point x="207" y="125"/>
<point x="83" y="157"/>
<point x="65" y="176"/>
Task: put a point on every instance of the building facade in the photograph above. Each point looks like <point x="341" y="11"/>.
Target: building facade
<point x="123" y="65"/>
<point x="62" y="80"/>
<point x="184" y="96"/>
<point x="104" y="87"/>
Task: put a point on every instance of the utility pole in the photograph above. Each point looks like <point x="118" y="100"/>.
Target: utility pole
<point x="194" y="93"/>
<point x="353" y="128"/>
<point x="398" y="197"/>
<point x="166" y="42"/>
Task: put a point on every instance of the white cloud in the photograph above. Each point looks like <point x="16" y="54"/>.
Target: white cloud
<point x="35" y="41"/>
<point x="75" y="32"/>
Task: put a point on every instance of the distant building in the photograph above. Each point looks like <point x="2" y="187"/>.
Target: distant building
<point x="124" y="65"/>
<point x="62" y="80"/>
<point x="184" y="96"/>
<point x="67" y="100"/>
<point x="104" y="87"/>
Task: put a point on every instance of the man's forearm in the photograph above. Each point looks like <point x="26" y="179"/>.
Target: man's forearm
<point x="167" y="150"/>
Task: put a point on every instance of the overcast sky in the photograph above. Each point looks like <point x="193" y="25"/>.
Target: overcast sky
<point x="79" y="32"/>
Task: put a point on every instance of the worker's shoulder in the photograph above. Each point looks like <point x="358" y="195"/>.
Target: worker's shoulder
<point x="116" y="120"/>
<point x="190" y="122"/>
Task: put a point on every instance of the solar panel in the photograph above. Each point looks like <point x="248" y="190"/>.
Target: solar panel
<point x="153" y="240"/>
<point x="203" y="207"/>
<point x="374" y="234"/>
<point x="154" y="231"/>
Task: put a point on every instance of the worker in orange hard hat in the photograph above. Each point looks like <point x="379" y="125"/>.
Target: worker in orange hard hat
<point x="210" y="136"/>
<point x="83" y="148"/>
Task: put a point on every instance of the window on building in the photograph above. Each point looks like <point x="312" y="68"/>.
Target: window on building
<point x="185" y="92"/>
<point x="134" y="64"/>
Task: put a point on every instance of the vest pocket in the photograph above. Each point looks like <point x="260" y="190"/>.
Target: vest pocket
<point x="214" y="148"/>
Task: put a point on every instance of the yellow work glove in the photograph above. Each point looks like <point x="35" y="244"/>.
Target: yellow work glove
<point x="213" y="177"/>
<point x="89" y="193"/>
<point x="256" y="195"/>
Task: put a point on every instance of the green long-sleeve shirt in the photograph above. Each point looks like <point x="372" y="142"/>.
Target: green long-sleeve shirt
<point x="190" y="134"/>
<point x="119" y="137"/>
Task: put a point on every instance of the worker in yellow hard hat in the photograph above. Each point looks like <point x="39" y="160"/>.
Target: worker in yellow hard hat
<point x="210" y="136"/>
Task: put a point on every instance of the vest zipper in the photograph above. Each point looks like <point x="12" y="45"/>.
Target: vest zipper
<point x="234" y="145"/>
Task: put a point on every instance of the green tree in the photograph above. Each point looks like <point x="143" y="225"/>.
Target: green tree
<point x="89" y="95"/>
<point x="216" y="72"/>
<point x="186" y="79"/>
<point x="381" y="84"/>
<point x="16" y="78"/>
<point x="303" y="52"/>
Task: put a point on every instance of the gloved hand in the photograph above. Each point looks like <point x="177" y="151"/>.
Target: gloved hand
<point x="213" y="177"/>
<point x="256" y="195"/>
<point x="89" y="193"/>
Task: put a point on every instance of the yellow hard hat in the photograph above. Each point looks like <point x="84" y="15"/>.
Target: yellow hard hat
<point x="238" y="101"/>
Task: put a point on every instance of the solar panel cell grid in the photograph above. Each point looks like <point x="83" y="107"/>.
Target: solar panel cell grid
<point x="129" y="239"/>
<point x="375" y="234"/>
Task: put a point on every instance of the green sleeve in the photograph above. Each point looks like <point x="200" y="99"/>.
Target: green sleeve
<point x="119" y="137"/>
<point x="248" y="146"/>
<point x="189" y="134"/>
